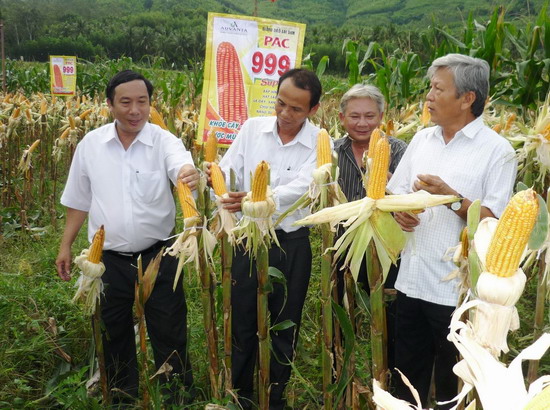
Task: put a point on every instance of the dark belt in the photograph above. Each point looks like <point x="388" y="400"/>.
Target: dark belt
<point x="153" y="248"/>
<point x="285" y="236"/>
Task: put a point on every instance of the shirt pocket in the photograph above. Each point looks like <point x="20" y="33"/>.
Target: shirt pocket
<point x="148" y="186"/>
<point x="287" y="176"/>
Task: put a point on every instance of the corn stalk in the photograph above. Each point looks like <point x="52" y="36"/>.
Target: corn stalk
<point x="262" y="267"/>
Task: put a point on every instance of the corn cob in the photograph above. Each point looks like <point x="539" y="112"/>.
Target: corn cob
<point x="157" y="119"/>
<point x="510" y="121"/>
<point x="96" y="249"/>
<point x="211" y="147"/>
<point x="512" y="234"/>
<point x="58" y="77"/>
<point x="72" y="122"/>
<point x="231" y="95"/>
<point x="85" y="114"/>
<point x="378" y="173"/>
<point x="33" y="146"/>
<point x="425" y="117"/>
<point x="374" y="138"/>
<point x="187" y="201"/>
<point x="497" y="128"/>
<point x="390" y="128"/>
<point x="324" y="152"/>
<point x="64" y="134"/>
<point x="28" y="114"/>
<point x="43" y="107"/>
<point x="218" y="182"/>
<point x="259" y="182"/>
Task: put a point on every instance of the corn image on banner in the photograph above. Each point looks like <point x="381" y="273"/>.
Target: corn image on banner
<point x="63" y="75"/>
<point x="245" y="56"/>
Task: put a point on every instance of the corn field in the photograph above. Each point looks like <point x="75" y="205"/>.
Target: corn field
<point x="39" y="133"/>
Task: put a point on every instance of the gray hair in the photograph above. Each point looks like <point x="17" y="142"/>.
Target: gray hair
<point x="470" y="74"/>
<point x="362" y="91"/>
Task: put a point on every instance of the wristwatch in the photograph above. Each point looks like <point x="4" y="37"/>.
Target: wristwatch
<point x="455" y="206"/>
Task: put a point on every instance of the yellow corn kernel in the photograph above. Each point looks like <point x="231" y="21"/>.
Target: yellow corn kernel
<point x="324" y="152"/>
<point x="156" y="118"/>
<point x="512" y="234"/>
<point x="426" y="116"/>
<point x="218" y="182"/>
<point x="211" y="147"/>
<point x="187" y="201"/>
<point x="546" y="132"/>
<point x="510" y="121"/>
<point x="259" y="182"/>
<point x="378" y="173"/>
<point x="96" y="249"/>
<point x="540" y="401"/>
<point x="374" y="138"/>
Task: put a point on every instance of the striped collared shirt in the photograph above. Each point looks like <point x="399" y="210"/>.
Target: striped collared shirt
<point x="350" y="177"/>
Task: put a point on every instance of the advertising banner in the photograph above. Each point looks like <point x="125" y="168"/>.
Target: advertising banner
<point x="245" y="56"/>
<point x="63" y="75"/>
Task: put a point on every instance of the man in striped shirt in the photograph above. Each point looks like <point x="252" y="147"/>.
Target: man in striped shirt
<point x="361" y="111"/>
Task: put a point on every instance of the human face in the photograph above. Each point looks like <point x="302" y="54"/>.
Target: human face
<point x="361" y="117"/>
<point x="130" y="108"/>
<point x="292" y="108"/>
<point x="445" y="107"/>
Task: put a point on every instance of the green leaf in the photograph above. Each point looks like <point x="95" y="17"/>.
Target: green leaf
<point x="540" y="231"/>
<point x="322" y="65"/>
<point x="389" y="232"/>
<point x="349" y="343"/>
<point x="474" y="212"/>
<point x="520" y="186"/>
<point x="285" y="324"/>
<point x="475" y="267"/>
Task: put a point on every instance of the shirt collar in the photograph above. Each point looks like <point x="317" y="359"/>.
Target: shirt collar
<point x="470" y="130"/>
<point x="305" y="135"/>
<point x="145" y="135"/>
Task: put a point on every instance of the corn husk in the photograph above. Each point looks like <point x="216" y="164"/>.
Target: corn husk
<point x="89" y="283"/>
<point x="224" y="221"/>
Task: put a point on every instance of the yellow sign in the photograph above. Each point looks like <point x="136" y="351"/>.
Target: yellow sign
<point x="245" y="56"/>
<point x="63" y="75"/>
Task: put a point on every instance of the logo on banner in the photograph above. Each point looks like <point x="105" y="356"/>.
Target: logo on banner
<point x="233" y="28"/>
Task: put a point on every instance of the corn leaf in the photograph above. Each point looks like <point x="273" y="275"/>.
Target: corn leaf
<point x="474" y="211"/>
<point x="540" y="230"/>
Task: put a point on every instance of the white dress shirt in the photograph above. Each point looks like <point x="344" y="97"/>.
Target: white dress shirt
<point x="127" y="191"/>
<point x="291" y="165"/>
<point x="478" y="164"/>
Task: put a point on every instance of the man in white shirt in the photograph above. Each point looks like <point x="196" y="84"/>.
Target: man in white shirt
<point x="463" y="157"/>
<point x="288" y="143"/>
<point x="120" y="178"/>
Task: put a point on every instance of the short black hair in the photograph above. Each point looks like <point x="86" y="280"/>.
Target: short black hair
<point x="306" y="80"/>
<point x="125" y="77"/>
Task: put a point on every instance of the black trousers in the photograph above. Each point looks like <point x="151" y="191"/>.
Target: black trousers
<point x="165" y="315"/>
<point x="421" y="347"/>
<point x="293" y="259"/>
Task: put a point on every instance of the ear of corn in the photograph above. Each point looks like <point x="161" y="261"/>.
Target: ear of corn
<point x="156" y="118"/>
<point x="71" y="122"/>
<point x="231" y="95"/>
<point x="259" y="182"/>
<point x="390" y="128"/>
<point x="426" y="116"/>
<point x="218" y="182"/>
<point x="187" y="201"/>
<point x="324" y="153"/>
<point x="96" y="249"/>
<point x="497" y="128"/>
<point x="374" y="138"/>
<point x="510" y="122"/>
<point x="85" y="114"/>
<point x="378" y="174"/>
<point x="512" y="234"/>
<point x="211" y="147"/>
<point x="34" y="146"/>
